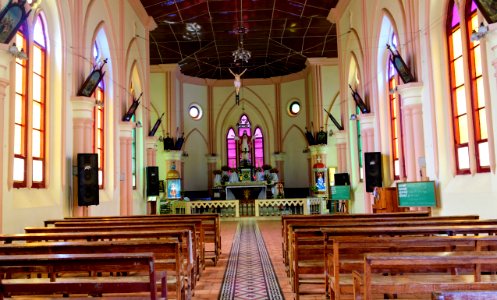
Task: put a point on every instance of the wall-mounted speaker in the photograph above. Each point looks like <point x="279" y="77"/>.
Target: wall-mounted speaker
<point x="372" y="170"/>
<point x="342" y="179"/>
<point x="87" y="179"/>
<point x="152" y="181"/>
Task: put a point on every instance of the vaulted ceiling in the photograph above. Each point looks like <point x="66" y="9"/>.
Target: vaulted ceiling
<point x="201" y="35"/>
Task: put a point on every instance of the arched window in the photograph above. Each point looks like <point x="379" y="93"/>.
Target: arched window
<point x="29" y="168"/>
<point x="231" y="147"/>
<point x="245" y="146"/>
<point x="99" y="121"/>
<point x="359" y="145"/>
<point x="21" y="114"/>
<point x="477" y="92"/>
<point x="258" y="148"/>
<point x="396" y="132"/>
<point x="133" y="153"/>
<point x="468" y="105"/>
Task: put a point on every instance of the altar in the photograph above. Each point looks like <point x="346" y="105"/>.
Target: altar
<point x="246" y="193"/>
<point x="246" y="190"/>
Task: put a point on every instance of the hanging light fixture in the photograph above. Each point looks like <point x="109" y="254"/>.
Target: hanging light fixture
<point x="241" y="53"/>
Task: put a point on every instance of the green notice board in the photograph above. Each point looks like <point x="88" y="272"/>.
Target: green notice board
<point x="421" y="193"/>
<point x="340" y="192"/>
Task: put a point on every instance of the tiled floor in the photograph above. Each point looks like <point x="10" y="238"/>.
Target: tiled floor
<point x="211" y="279"/>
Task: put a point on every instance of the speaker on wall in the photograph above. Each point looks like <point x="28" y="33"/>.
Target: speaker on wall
<point x="152" y="181"/>
<point x="87" y="179"/>
<point x="372" y="170"/>
<point x="342" y="179"/>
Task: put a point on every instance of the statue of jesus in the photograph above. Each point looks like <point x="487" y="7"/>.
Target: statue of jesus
<point x="238" y="84"/>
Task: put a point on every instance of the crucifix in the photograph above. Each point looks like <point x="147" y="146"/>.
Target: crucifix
<point x="238" y="84"/>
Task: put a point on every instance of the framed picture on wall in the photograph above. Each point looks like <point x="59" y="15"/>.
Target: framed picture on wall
<point x="11" y="18"/>
<point x="173" y="189"/>
<point x="488" y="9"/>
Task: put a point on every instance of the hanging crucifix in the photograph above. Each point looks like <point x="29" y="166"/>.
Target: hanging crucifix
<point x="238" y="85"/>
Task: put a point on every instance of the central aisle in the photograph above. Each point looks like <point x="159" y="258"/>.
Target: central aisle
<point x="211" y="282"/>
<point x="249" y="274"/>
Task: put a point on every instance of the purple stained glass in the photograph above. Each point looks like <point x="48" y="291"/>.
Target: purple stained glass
<point x="473" y="6"/>
<point x="455" y="16"/>
<point x="39" y="32"/>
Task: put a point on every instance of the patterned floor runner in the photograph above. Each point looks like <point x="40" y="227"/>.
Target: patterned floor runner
<point x="249" y="274"/>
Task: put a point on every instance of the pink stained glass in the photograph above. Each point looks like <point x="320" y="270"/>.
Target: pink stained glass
<point x="455" y="16"/>
<point x="258" y="148"/>
<point x="231" y="145"/>
<point x="473" y="6"/>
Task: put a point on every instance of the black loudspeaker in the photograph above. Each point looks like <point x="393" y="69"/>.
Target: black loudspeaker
<point x="152" y="181"/>
<point x="372" y="169"/>
<point x="87" y="179"/>
<point x="342" y="179"/>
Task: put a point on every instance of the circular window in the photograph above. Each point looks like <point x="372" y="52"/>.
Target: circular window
<point x="294" y="108"/>
<point x="195" y="111"/>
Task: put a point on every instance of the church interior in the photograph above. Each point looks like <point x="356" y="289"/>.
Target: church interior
<point x="246" y="132"/>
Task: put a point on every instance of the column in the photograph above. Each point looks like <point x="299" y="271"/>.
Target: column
<point x="341" y="146"/>
<point x="4" y="83"/>
<point x="211" y="166"/>
<point x="279" y="159"/>
<point x="151" y="146"/>
<point x="82" y="108"/>
<point x="126" y="171"/>
<point x="413" y="138"/>
<point x="367" y="135"/>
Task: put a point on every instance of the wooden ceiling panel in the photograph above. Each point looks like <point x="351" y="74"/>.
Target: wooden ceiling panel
<point x="201" y="35"/>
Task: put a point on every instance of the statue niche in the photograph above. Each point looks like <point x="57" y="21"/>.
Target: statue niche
<point x="245" y="148"/>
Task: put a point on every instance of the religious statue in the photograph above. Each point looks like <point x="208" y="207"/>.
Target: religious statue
<point x="245" y="149"/>
<point x="238" y="84"/>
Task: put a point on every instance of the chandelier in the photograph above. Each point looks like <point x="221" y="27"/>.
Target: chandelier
<point x="241" y="53"/>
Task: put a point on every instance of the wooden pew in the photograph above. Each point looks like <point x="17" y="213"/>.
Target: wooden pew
<point x="166" y="253"/>
<point x="311" y="237"/>
<point x="183" y="237"/>
<point x="307" y="265"/>
<point x="193" y="228"/>
<point x="406" y="281"/>
<point x="465" y="295"/>
<point x="96" y="262"/>
<point x="199" y="231"/>
<point x="210" y="223"/>
<point x="346" y="254"/>
<point x="312" y="221"/>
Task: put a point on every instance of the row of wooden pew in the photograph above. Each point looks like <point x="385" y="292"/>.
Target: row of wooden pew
<point x="109" y="256"/>
<point x="366" y="256"/>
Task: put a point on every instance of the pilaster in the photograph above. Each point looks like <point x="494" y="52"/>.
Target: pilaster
<point x="82" y="112"/>
<point x="412" y="111"/>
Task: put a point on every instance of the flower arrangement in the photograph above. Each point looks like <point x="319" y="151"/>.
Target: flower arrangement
<point x="225" y="168"/>
<point x="266" y="167"/>
<point x="225" y="178"/>
<point x="274" y="170"/>
<point x="233" y="170"/>
<point x="268" y="178"/>
<point x="217" y="172"/>
<point x="258" y="169"/>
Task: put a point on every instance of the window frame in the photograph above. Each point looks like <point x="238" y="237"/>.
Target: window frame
<point x="473" y="84"/>
<point x="24" y="155"/>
